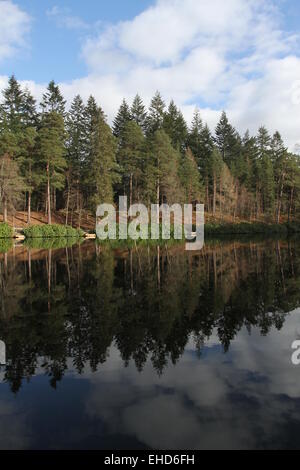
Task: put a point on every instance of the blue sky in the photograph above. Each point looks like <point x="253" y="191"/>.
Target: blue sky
<point x="240" y="55"/>
<point x="53" y="50"/>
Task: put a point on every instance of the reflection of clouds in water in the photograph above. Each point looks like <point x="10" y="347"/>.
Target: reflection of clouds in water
<point x="244" y="399"/>
<point x="14" y="433"/>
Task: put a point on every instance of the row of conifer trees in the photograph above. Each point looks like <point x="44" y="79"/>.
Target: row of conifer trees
<point x="53" y="158"/>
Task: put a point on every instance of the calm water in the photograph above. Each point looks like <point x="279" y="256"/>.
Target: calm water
<point x="150" y="348"/>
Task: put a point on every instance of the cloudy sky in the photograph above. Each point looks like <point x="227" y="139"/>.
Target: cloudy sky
<point x="238" y="55"/>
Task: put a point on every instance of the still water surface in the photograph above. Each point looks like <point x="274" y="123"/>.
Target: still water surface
<point x="152" y="348"/>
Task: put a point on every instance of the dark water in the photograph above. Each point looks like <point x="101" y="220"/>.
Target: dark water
<point x="150" y="349"/>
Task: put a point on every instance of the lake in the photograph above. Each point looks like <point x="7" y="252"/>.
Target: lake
<point x="153" y="348"/>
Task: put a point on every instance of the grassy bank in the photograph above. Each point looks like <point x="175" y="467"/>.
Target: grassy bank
<point x="252" y="228"/>
<point x="57" y="231"/>
<point x="6" y="231"/>
<point x="52" y="231"/>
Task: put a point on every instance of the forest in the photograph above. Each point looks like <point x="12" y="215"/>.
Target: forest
<point x="54" y="158"/>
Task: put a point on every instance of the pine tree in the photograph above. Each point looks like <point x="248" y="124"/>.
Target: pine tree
<point x="28" y="142"/>
<point x="190" y="178"/>
<point x="195" y="135"/>
<point x="155" y="117"/>
<point x="201" y="143"/>
<point x="265" y="172"/>
<point x="121" y="119"/>
<point x="279" y="157"/>
<point x="138" y="112"/>
<point x="268" y="186"/>
<point x="53" y="100"/>
<point x="51" y="153"/>
<point x="21" y="119"/>
<point x="11" y="182"/>
<point x="28" y="163"/>
<point x="162" y="170"/>
<point x="215" y="170"/>
<point x="104" y="169"/>
<point x="12" y="106"/>
<point x="227" y="141"/>
<point x="30" y="116"/>
<point x="77" y="138"/>
<point x="129" y="157"/>
<point x="175" y="126"/>
<point x="92" y="115"/>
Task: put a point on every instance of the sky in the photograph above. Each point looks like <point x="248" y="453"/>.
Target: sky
<point x="242" y="56"/>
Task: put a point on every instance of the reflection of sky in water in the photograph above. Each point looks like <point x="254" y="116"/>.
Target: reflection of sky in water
<point x="247" y="398"/>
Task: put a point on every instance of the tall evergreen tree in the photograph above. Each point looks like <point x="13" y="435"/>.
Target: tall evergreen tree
<point x="129" y="157"/>
<point x="12" y="106"/>
<point x="265" y="172"/>
<point x="138" y="112"/>
<point x="53" y="100"/>
<point x="92" y="115"/>
<point x="121" y="119"/>
<point x="51" y="153"/>
<point x="175" y="126"/>
<point x="162" y="170"/>
<point x="201" y="143"/>
<point x="155" y="117"/>
<point x="215" y="169"/>
<point x="30" y="117"/>
<point x="195" y="137"/>
<point x="279" y="157"/>
<point x="28" y="142"/>
<point x="104" y="169"/>
<point x="190" y="177"/>
<point x="77" y="137"/>
<point x="227" y="140"/>
<point x="11" y="182"/>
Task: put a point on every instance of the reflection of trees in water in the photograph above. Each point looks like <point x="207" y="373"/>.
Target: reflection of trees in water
<point x="75" y="302"/>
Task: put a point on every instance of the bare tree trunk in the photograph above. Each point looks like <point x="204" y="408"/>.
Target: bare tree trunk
<point x="280" y="195"/>
<point x="236" y="200"/>
<point x="207" y="195"/>
<point x="291" y="204"/>
<point x="48" y="195"/>
<point x="77" y="197"/>
<point x="68" y="202"/>
<point x="220" y="197"/>
<point x="29" y="209"/>
<point x="4" y="210"/>
<point x="215" y="195"/>
<point x="79" y="218"/>
<point x="130" y="190"/>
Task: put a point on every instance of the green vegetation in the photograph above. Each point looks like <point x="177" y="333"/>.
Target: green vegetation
<point x="53" y="159"/>
<point x="246" y="228"/>
<point x="5" y="231"/>
<point x="52" y="231"/>
<point x="5" y="245"/>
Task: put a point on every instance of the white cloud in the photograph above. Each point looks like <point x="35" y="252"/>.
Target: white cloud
<point x="233" y="55"/>
<point x="64" y="19"/>
<point x="195" y="56"/>
<point x="220" y="401"/>
<point x="15" y="24"/>
<point x="272" y="100"/>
